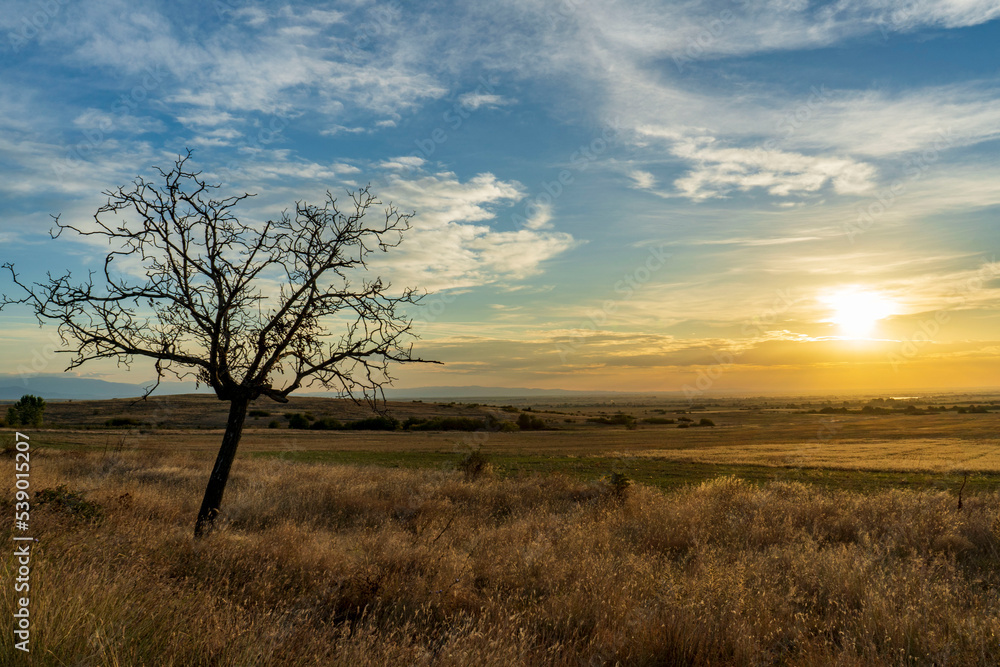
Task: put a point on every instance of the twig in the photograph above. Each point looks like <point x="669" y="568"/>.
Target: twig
<point x="446" y="527"/>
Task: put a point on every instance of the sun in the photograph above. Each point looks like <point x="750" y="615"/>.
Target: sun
<point x="857" y="311"/>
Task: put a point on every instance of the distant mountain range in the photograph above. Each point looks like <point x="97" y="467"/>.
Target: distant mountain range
<point x="476" y="391"/>
<point x="68" y="387"/>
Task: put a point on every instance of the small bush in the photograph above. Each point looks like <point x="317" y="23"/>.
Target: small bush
<point x="122" y="421"/>
<point x="619" y="483"/>
<point x="260" y="413"/>
<point x="68" y="502"/>
<point x="274" y="423"/>
<point x="620" y="419"/>
<point x="658" y="420"/>
<point x="27" y="411"/>
<point x="475" y="464"/>
<point x="706" y="422"/>
<point x="380" y="423"/>
<point x="326" y="424"/>
<point x="298" y="421"/>
<point x="447" y="424"/>
<point x="527" y="422"/>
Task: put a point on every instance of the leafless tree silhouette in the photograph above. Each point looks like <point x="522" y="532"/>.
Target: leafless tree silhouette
<point x="250" y="310"/>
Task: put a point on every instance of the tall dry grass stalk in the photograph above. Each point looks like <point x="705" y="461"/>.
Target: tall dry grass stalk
<point x="339" y="565"/>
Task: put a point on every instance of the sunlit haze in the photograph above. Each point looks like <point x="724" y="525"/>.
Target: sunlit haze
<point x="858" y="312"/>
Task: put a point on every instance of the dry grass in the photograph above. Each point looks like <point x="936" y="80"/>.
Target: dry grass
<point x="939" y="443"/>
<point x="903" y="454"/>
<point x="335" y="565"/>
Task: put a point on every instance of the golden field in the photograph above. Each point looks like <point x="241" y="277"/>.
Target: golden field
<point x="341" y="565"/>
<point x="337" y="564"/>
<point x="942" y="443"/>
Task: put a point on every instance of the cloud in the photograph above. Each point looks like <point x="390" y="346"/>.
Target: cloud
<point x="540" y="218"/>
<point x="258" y="59"/>
<point x="908" y="15"/>
<point x="643" y="180"/>
<point x="882" y="124"/>
<point x="719" y="170"/>
<point x="475" y="100"/>
<point x="403" y="163"/>
<point x="205" y="117"/>
<point x="452" y="243"/>
<point x="662" y="74"/>
<point x="343" y="129"/>
<point x="96" y="120"/>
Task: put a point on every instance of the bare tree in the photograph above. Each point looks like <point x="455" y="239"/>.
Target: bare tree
<point x="250" y="310"/>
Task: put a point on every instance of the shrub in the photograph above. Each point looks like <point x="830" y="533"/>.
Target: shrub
<point x="447" y="424"/>
<point x="380" y="423"/>
<point x="68" y="502"/>
<point x="297" y="421"/>
<point x="27" y="411"/>
<point x="274" y="423"/>
<point x="620" y="419"/>
<point x="122" y="421"/>
<point x="706" y="422"/>
<point x="619" y="484"/>
<point x="527" y="422"/>
<point x="326" y="424"/>
<point x="658" y="420"/>
<point x="260" y="413"/>
<point x="475" y="464"/>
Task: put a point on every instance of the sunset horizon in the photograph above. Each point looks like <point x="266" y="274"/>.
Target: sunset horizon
<point x="716" y="202"/>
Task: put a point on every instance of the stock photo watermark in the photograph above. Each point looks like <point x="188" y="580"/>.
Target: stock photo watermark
<point x="548" y="192"/>
<point x="726" y="359"/>
<point x="23" y="543"/>
<point x="627" y="287"/>
<point x="98" y="127"/>
<point x="32" y="24"/>
<point x="911" y="346"/>
<point x="914" y="170"/>
<point x="579" y="161"/>
<point x="708" y="35"/>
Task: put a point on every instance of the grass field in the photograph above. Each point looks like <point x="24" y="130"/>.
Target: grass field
<point x="332" y="564"/>
<point x="760" y="444"/>
<point x="776" y="537"/>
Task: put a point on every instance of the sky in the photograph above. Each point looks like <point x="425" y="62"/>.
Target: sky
<point x="703" y="197"/>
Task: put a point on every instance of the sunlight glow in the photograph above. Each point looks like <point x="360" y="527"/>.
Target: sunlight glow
<point x="857" y="311"/>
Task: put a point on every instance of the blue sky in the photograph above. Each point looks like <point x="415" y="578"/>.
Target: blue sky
<point x="754" y="196"/>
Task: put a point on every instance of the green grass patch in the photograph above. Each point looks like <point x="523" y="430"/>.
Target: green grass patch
<point x="661" y="473"/>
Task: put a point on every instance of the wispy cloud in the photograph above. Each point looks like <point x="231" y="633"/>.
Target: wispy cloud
<point x="452" y="243"/>
<point x="475" y="100"/>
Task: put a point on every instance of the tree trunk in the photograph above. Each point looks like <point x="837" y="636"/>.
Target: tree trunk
<point x="223" y="462"/>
